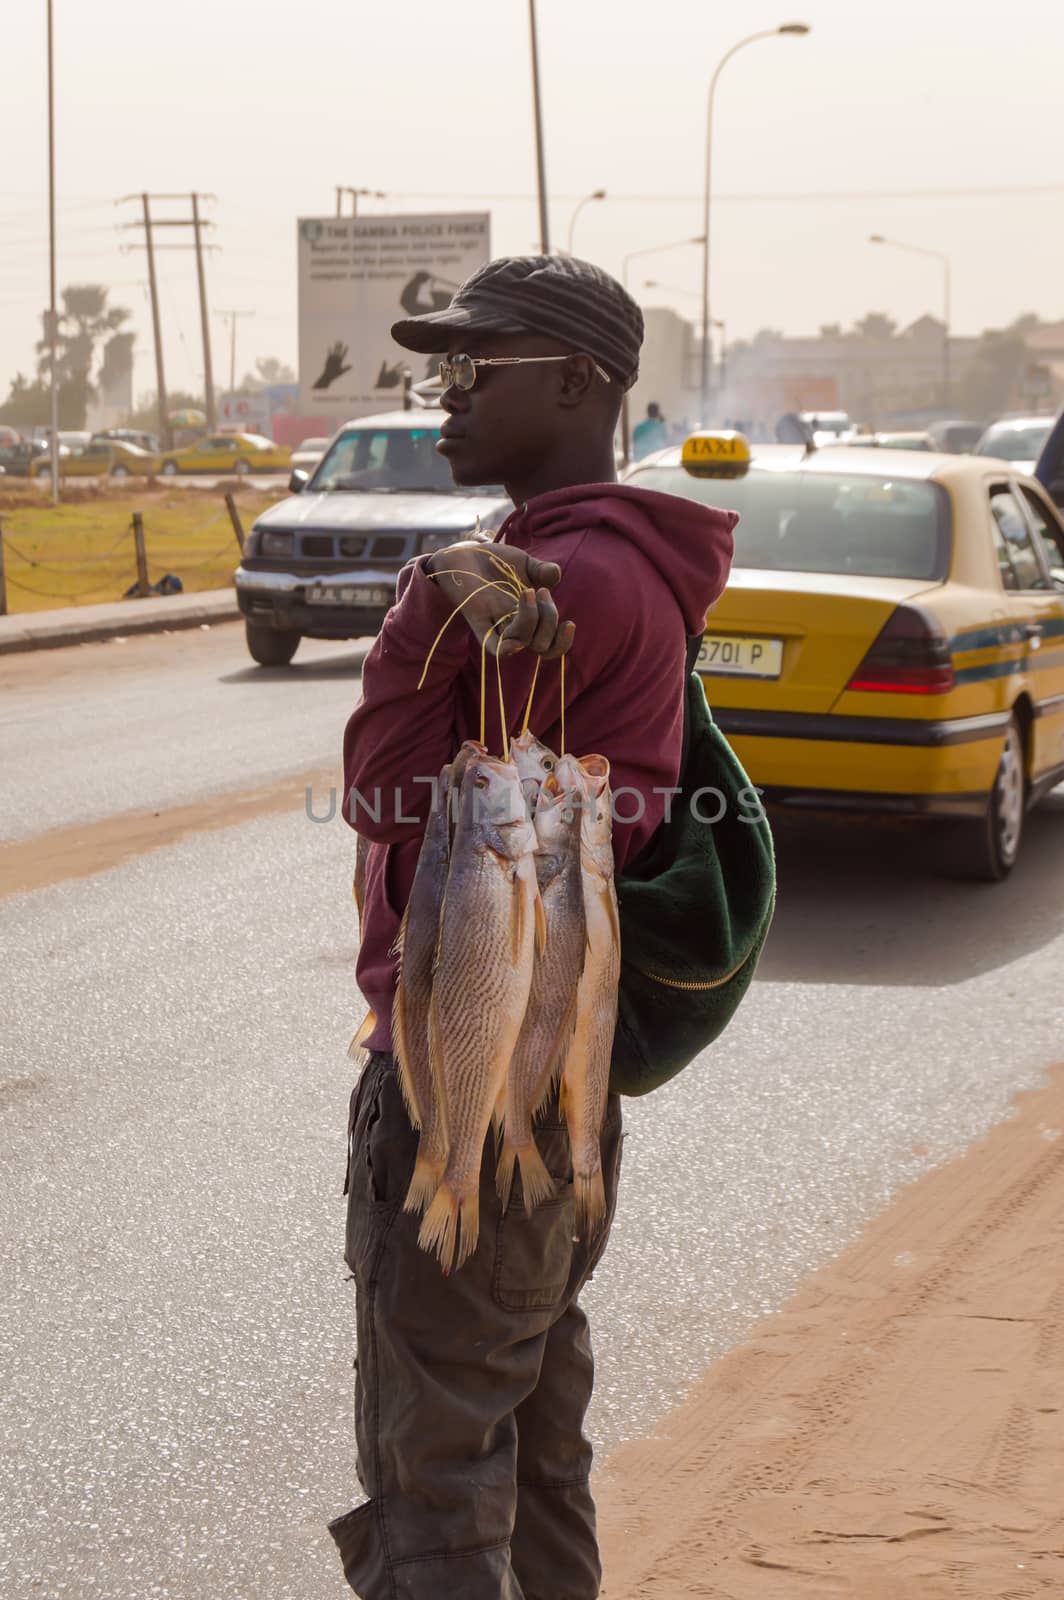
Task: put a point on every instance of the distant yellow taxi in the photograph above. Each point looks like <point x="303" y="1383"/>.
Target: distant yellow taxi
<point x="101" y="458"/>
<point x="239" y="453"/>
<point x="891" y="639"/>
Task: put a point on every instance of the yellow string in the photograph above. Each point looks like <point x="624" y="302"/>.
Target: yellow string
<point x="490" y="583"/>
<point x="562" y="672"/>
<point x="502" y="710"/>
<point x="531" y="692"/>
<point x="483" y="681"/>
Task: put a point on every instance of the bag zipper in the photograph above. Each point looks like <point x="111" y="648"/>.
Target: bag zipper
<point x="694" y="984"/>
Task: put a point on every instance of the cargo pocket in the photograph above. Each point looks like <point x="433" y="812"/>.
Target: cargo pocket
<point x="534" y="1254"/>
<point x="370" y="1209"/>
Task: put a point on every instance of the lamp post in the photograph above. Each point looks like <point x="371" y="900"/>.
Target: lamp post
<point x="633" y="255"/>
<point x="795" y="30"/>
<point x="596" y="194"/>
<point x="940" y="256"/>
<point x="537" y="112"/>
<point x="53" y="315"/>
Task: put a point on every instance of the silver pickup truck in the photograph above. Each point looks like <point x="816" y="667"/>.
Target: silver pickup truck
<point x="323" y="563"/>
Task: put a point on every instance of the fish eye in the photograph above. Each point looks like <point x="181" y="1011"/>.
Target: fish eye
<point x="480" y="781"/>
<point x="548" y="763"/>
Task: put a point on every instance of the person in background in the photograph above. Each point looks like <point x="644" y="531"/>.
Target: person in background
<point x="650" y="434"/>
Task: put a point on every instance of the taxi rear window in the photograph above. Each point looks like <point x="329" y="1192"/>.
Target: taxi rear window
<point x="871" y="526"/>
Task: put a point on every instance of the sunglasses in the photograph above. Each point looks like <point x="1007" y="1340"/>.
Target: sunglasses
<point x="461" y="371"/>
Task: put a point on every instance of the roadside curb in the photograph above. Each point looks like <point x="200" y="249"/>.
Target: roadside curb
<point x="52" y="630"/>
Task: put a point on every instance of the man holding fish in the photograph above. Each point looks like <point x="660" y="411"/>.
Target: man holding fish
<point x="490" y="949"/>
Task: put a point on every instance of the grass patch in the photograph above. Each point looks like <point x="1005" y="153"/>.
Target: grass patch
<point x="81" y="552"/>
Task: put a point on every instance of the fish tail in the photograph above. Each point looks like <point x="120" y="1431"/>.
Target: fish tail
<point x="424" y="1184"/>
<point x="504" y="1173"/>
<point x="439" y="1230"/>
<point x="359" y="1041"/>
<point x="469" y="1210"/>
<point x="537" y="1184"/>
<point x="590" y="1200"/>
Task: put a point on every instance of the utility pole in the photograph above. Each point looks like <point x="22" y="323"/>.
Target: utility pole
<point x="232" y="318"/>
<point x="160" y="377"/>
<point x="53" y="314"/>
<point x="205" y="325"/>
<point x="197" y="223"/>
<point x="541" y="175"/>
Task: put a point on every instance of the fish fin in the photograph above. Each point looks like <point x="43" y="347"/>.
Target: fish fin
<point x="613" y="915"/>
<point x="469" y="1211"/>
<point x="590" y="1201"/>
<point x="369" y="1022"/>
<point x="558" y="1054"/>
<point x="518" y="917"/>
<point x="400" y="939"/>
<point x="440" y="1227"/>
<point x="423" y="1185"/>
<point x="400" y="1051"/>
<point x="436" y="1067"/>
<point x="536" y="1182"/>
<point x="498" y="1116"/>
<point x="504" y="1173"/>
<point x="541" y="923"/>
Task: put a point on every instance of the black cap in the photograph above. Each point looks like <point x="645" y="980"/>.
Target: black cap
<point x="567" y="299"/>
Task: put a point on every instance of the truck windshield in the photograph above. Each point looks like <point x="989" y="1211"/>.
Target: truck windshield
<point x="382" y="460"/>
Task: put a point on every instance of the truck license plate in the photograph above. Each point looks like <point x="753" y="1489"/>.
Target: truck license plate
<point x="347" y="594"/>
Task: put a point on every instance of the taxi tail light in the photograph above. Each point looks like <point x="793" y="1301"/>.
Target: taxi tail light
<point x="909" y="656"/>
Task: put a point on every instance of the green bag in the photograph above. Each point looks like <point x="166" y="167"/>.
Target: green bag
<point x="694" y="912"/>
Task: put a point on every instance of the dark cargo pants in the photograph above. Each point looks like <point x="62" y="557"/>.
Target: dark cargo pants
<point x="471" y="1390"/>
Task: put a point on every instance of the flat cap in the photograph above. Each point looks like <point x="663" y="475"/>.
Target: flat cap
<point x="559" y="296"/>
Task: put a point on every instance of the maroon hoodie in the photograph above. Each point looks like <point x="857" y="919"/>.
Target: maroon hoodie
<point x="639" y="572"/>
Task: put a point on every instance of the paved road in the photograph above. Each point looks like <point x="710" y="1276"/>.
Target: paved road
<point x="175" y="1324"/>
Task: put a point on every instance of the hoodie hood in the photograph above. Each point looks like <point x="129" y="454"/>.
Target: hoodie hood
<point x="689" y="544"/>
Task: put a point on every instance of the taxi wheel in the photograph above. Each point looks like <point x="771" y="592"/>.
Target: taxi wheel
<point x="987" y="850"/>
<point x="169" y="469"/>
<point x="271" y="647"/>
<point x="119" y="472"/>
<point x="242" y="469"/>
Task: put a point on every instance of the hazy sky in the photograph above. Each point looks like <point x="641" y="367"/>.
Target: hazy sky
<point x="937" y="122"/>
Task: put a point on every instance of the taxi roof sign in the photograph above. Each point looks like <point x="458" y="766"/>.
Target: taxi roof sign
<point x="716" y="453"/>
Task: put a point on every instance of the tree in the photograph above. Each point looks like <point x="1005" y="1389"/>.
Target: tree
<point x="876" y="325"/>
<point x="268" y="371"/>
<point x="831" y="330"/>
<point x="998" y="360"/>
<point x="85" y="320"/>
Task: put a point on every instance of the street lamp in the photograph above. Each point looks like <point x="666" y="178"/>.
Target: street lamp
<point x="596" y="194"/>
<point x="936" y="255"/>
<point x="633" y="255"/>
<point x="370" y="194"/>
<point x="795" y="30"/>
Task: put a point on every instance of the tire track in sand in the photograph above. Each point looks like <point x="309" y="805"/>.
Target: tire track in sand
<point x="896" y="1431"/>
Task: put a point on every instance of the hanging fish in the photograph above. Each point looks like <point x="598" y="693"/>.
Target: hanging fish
<point x="586" y="1073"/>
<point x="551" y="1014"/>
<point x="491" y="925"/>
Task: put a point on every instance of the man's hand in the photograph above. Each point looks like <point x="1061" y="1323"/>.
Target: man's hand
<point x="461" y="569"/>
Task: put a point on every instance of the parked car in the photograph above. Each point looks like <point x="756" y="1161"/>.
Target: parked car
<point x="18" y="459"/>
<point x="891" y="441"/>
<point x="829" y="427"/>
<point x="309" y="453"/>
<point x="100" y="458"/>
<point x="956" y="436"/>
<point x="145" y="441"/>
<point x="240" y="453"/>
<point x="323" y="564"/>
<point x="889" y="640"/>
<point x="1016" y="439"/>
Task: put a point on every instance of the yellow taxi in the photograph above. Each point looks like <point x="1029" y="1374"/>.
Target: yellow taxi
<point x="240" y="453"/>
<point x="891" y="639"/>
<point x="101" y="458"/>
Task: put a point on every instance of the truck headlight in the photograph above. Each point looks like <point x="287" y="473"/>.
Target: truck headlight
<point x="277" y="544"/>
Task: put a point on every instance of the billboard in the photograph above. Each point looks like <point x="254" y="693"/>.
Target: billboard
<point x="358" y="275"/>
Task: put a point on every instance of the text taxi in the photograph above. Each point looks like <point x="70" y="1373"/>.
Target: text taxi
<point x="892" y="636"/>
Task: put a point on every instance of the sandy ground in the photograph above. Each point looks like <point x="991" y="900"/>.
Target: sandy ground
<point x="896" y="1431"/>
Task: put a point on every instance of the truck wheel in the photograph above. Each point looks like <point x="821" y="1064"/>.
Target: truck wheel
<point x="271" y="647"/>
<point x="987" y="850"/>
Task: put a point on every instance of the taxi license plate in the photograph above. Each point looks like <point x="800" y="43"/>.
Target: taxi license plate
<point x="347" y="594"/>
<point x="734" y="656"/>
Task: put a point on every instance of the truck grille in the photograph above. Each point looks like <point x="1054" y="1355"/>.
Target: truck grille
<point x="317" y="544"/>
